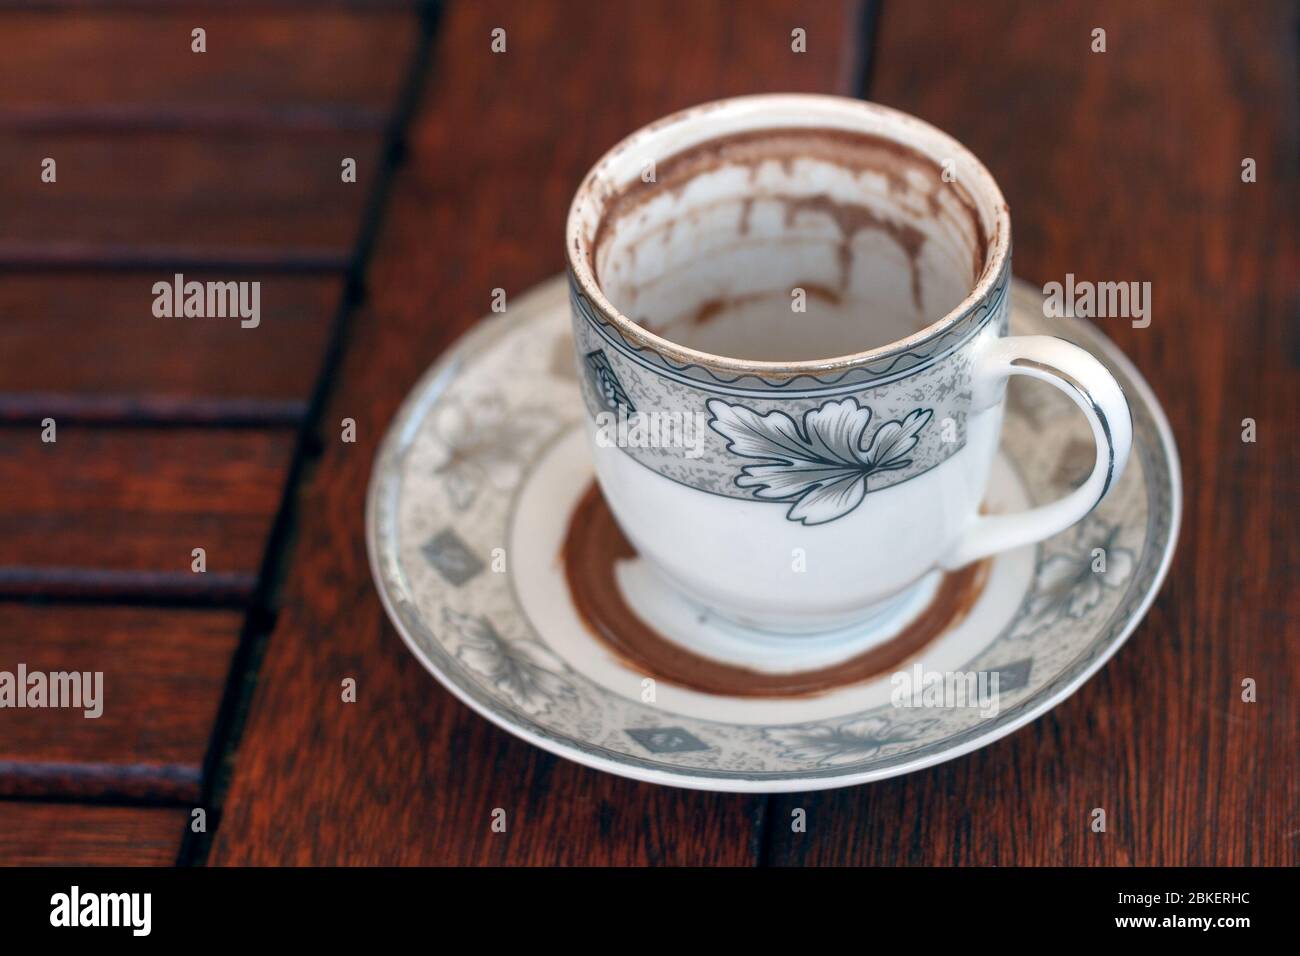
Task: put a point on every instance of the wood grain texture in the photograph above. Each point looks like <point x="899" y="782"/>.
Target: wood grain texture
<point x="1126" y="166"/>
<point x="153" y="199"/>
<point x="132" y="68"/>
<point x="164" y="672"/>
<point x="87" y="347"/>
<point x="118" y="512"/>
<point x="407" y="774"/>
<point x="54" y="834"/>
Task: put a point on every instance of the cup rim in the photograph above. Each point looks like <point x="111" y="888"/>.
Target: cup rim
<point x="580" y="257"/>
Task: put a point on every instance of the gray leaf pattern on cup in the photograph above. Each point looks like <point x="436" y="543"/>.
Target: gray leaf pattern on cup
<point x="822" y="465"/>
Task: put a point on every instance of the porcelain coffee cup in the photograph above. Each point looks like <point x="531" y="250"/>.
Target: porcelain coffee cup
<point x="791" y="491"/>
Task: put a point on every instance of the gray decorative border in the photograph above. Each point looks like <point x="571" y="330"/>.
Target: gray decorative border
<point x="887" y="368"/>
<point x="625" y="387"/>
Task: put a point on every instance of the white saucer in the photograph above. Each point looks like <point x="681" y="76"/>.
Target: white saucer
<point x="472" y="493"/>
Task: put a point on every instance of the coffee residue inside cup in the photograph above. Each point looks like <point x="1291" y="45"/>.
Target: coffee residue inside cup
<point x="872" y="231"/>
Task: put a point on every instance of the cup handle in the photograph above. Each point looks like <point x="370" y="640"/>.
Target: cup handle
<point x="1101" y="399"/>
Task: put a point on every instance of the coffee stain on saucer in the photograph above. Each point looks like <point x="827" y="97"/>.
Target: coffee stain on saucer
<point x="594" y="544"/>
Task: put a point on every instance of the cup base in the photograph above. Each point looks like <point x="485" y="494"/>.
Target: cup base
<point x="666" y="609"/>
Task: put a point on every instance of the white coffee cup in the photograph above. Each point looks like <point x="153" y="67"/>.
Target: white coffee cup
<point x="697" y="233"/>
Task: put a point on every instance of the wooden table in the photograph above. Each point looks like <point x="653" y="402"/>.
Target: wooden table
<point x="222" y="687"/>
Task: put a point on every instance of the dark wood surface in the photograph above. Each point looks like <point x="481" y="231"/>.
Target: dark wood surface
<point x="164" y="674"/>
<point x="139" y="198"/>
<point x="116" y="362"/>
<point x="120" y="511"/>
<point x="56" y="834"/>
<point x="172" y="434"/>
<point x="1123" y="165"/>
<point x="268" y="69"/>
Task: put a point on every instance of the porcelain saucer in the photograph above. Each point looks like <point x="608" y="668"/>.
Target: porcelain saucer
<point x="467" y="510"/>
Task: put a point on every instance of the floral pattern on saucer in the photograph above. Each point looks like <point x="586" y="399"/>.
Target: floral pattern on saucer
<point x="1072" y="581"/>
<point x="524" y="671"/>
<point x="833" y="745"/>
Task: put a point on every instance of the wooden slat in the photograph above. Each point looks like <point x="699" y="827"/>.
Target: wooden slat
<point x="406" y="774"/>
<point x="245" y="6"/>
<point x="126" y="67"/>
<point x="87" y="347"/>
<point x="156" y="199"/>
<point x="119" y="511"/>
<point x="1126" y="166"/>
<point x="163" y="674"/>
<point x="54" y="834"/>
